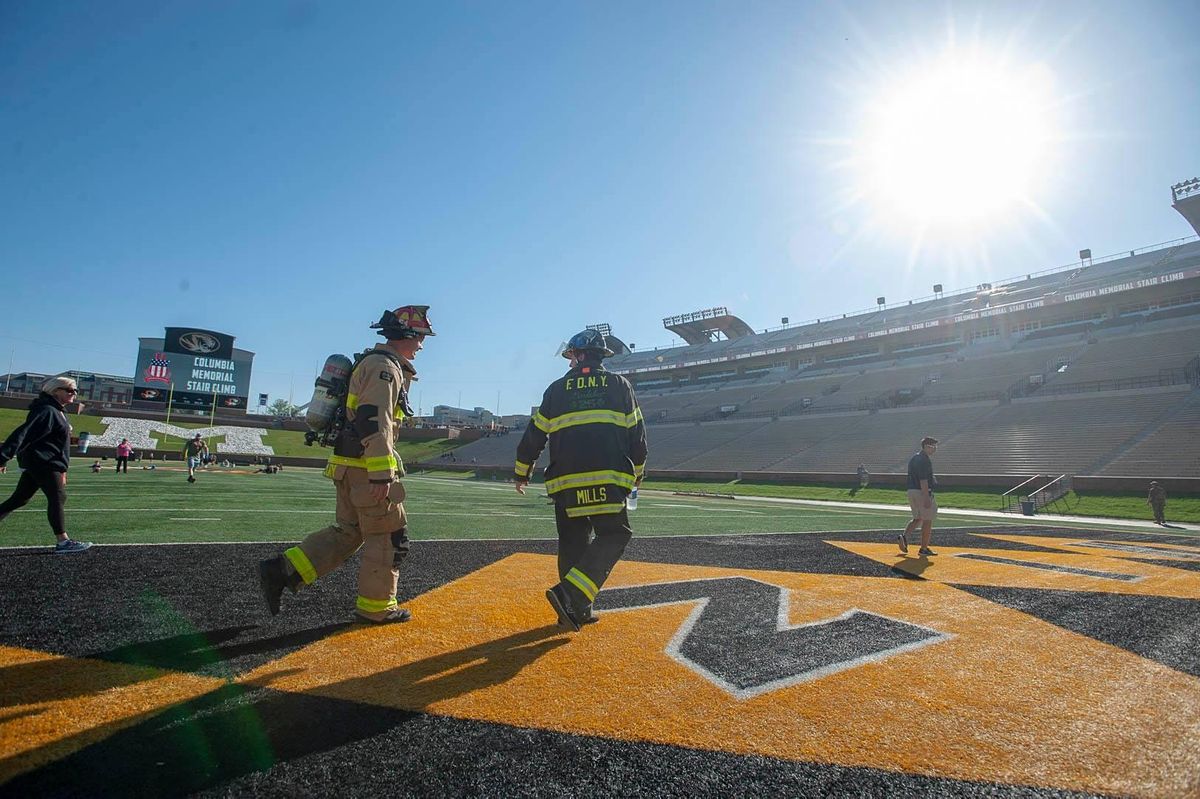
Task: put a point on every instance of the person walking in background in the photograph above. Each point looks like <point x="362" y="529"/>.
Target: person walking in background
<point x="124" y="450"/>
<point x="921" y="483"/>
<point x="1157" y="500"/>
<point x="597" y="457"/>
<point x="42" y="448"/>
<point x="193" y="451"/>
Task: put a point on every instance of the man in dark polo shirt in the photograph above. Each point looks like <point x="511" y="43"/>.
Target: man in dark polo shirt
<point x="921" y="483"/>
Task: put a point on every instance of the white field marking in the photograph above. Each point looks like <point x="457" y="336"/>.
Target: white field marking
<point x="1047" y="520"/>
<point x="674" y="648"/>
<point x="476" y="540"/>
<point x="986" y="518"/>
<point x="474" y="515"/>
<point x="481" y="514"/>
<point x="190" y="519"/>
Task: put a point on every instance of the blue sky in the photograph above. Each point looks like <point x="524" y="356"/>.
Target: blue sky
<point x="284" y="171"/>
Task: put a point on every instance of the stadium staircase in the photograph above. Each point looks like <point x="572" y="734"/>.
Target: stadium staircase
<point x="1182" y="412"/>
<point x="1166" y="449"/>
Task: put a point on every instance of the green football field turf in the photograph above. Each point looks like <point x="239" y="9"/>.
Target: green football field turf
<point x="284" y="442"/>
<point x="161" y="507"/>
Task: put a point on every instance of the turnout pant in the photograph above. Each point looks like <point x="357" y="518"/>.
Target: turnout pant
<point x="361" y="521"/>
<point x="50" y="484"/>
<point x="584" y="562"/>
<point x="1158" y="508"/>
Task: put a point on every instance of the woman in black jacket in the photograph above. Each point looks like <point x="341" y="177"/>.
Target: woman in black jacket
<point x="42" y="448"/>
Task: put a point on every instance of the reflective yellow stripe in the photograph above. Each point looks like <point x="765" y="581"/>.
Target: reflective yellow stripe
<point x="380" y="464"/>
<point x="302" y="564"/>
<point x="588" y="587"/>
<point x="595" y="510"/>
<point x="541" y="422"/>
<point x="375" y="605"/>
<point x="639" y="469"/>
<point x="351" y="401"/>
<point x="398" y="414"/>
<point x="586" y="417"/>
<point x="523" y="469"/>
<point x="632" y="419"/>
<point x="585" y="479"/>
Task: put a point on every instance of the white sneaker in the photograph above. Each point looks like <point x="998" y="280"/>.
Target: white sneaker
<point x="71" y="546"/>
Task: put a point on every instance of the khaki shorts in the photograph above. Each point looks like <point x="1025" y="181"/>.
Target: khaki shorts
<point x="916" y="501"/>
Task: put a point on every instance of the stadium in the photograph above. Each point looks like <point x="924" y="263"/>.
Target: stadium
<point x="1085" y="372"/>
<point x="220" y="615"/>
<point x="772" y="637"/>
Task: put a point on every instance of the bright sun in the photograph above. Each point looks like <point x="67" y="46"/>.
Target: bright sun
<point x="959" y="142"/>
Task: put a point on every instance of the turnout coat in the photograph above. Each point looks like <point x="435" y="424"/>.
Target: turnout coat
<point x="597" y="441"/>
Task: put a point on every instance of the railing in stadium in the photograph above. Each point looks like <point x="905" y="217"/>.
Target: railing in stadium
<point x="1166" y="377"/>
<point x="1010" y="500"/>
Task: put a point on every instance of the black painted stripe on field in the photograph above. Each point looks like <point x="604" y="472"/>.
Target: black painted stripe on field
<point x="1052" y="567"/>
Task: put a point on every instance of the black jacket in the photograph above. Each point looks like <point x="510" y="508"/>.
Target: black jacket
<point x="43" y="442"/>
<point x="597" y="441"/>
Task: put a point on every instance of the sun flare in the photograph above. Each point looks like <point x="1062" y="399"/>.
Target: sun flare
<point x="959" y="142"/>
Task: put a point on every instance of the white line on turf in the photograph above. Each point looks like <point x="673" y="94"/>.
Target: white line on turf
<point x="884" y="531"/>
<point x="461" y="540"/>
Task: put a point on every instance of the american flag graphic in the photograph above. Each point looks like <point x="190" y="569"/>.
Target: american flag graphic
<point x="159" y="369"/>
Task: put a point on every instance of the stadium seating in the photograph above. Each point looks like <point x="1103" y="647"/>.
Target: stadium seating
<point x="1098" y="388"/>
<point x="1170" y="450"/>
<point x="1143" y="352"/>
<point x="1067" y="434"/>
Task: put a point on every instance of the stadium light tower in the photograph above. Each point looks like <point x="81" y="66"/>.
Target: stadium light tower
<point x="1185" y="198"/>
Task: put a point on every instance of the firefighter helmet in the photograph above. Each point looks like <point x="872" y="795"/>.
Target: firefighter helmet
<point x="588" y="341"/>
<point x="407" y="321"/>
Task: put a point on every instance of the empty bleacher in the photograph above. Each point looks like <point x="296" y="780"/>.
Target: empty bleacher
<point x="1067" y="434"/>
<point x="1127" y="355"/>
<point x="1169" y="451"/>
<point x="883" y="441"/>
<point x="764" y="446"/>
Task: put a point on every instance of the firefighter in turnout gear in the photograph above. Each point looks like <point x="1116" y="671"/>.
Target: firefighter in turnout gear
<point x="364" y="469"/>
<point x="597" y="456"/>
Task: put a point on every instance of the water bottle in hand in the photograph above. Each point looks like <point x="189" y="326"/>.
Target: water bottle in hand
<point x="631" y="502"/>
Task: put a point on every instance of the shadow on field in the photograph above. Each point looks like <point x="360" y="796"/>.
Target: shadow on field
<point x="193" y="651"/>
<point x="56" y="679"/>
<point x="241" y="729"/>
<point x="228" y="733"/>
<point x="911" y="568"/>
<point x="434" y="679"/>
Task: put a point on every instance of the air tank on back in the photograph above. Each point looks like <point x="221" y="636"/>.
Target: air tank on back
<point x="328" y="391"/>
